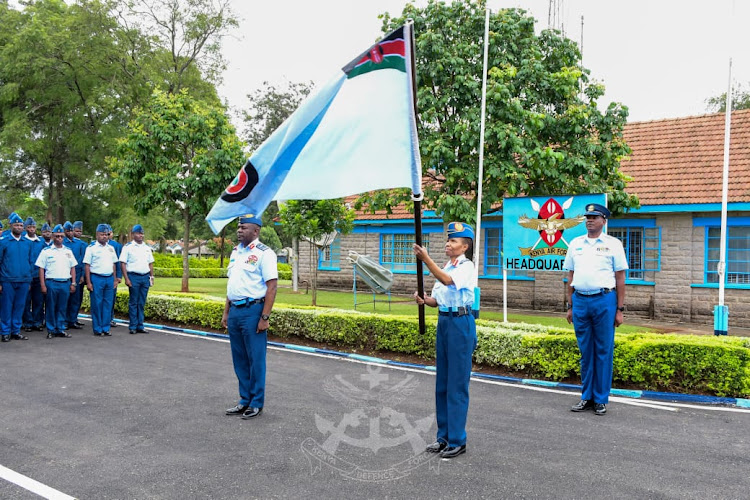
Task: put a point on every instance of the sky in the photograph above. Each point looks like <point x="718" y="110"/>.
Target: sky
<point x="661" y="58"/>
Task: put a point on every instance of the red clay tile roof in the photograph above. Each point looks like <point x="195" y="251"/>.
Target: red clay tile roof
<point x="680" y="161"/>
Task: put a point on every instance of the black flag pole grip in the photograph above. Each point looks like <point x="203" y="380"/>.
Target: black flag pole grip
<point x="420" y="275"/>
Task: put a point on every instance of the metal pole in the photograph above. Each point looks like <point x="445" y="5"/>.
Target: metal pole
<point x="721" y="268"/>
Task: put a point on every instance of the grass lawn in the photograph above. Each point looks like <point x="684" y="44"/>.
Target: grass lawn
<point x="400" y="304"/>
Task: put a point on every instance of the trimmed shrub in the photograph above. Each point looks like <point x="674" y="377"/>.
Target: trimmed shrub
<point x="285" y="271"/>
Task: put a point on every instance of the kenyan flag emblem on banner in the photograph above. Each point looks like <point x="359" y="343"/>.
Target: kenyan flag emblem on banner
<point x="389" y="53"/>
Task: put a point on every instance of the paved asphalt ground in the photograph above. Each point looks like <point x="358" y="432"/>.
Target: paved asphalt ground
<point x="142" y="416"/>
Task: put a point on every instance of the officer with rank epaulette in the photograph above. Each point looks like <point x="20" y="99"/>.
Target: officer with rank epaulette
<point x="100" y="261"/>
<point x="137" y="264"/>
<point x="33" y="314"/>
<point x="78" y="248"/>
<point x="56" y="266"/>
<point x="15" y="279"/>
<point x="118" y="250"/>
<point x="47" y="234"/>
<point x="251" y="291"/>
<point x="456" y="338"/>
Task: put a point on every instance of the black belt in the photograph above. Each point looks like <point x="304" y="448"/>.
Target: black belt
<point x="594" y="293"/>
<point x="138" y="274"/>
<point x="102" y="275"/>
<point x="57" y="280"/>
<point x="456" y="311"/>
<point x="247" y="302"/>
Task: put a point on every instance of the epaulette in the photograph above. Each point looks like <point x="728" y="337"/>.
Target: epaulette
<point x="260" y="246"/>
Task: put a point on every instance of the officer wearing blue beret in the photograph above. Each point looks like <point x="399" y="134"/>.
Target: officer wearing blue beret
<point x="33" y="313"/>
<point x="47" y="234"/>
<point x="137" y="265"/>
<point x="56" y="266"/>
<point x="453" y="295"/>
<point x="596" y="265"/>
<point x="118" y="272"/>
<point x="251" y="292"/>
<point x="15" y="279"/>
<point x="100" y="261"/>
<point x="78" y="247"/>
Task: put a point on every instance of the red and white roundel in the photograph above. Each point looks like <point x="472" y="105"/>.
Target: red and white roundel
<point x="242" y="185"/>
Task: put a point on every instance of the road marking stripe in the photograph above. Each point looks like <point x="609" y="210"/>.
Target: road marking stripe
<point x="31" y="485"/>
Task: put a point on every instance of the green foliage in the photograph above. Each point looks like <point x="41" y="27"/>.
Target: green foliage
<point x="269" y="237"/>
<point x="285" y="271"/>
<point x="269" y="107"/>
<point x="740" y="100"/>
<point x="544" y="132"/>
<point x="315" y="218"/>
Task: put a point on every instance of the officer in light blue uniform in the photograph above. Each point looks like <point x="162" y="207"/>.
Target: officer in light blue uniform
<point x="78" y="247"/>
<point x="15" y="279"/>
<point x="56" y="266"/>
<point x="453" y="295"/>
<point x="137" y="264"/>
<point x="100" y="261"/>
<point x="118" y="249"/>
<point x="33" y="313"/>
<point x="251" y="291"/>
<point x="596" y="265"/>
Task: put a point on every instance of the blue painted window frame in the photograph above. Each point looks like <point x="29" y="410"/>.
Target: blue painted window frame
<point x="396" y="251"/>
<point x="329" y="258"/>
<point x="493" y="251"/>
<point x="737" y="272"/>
<point x="641" y="240"/>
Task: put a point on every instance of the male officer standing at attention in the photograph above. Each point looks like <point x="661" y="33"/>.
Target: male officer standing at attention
<point x="78" y="247"/>
<point x="251" y="291"/>
<point x="100" y="261"/>
<point x="57" y="275"/>
<point x="33" y="313"/>
<point x="47" y="234"/>
<point x="596" y="265"/>
<point x="15" y="279"/>
<point x="137" y="263"/>
<point x="118" y="249"/>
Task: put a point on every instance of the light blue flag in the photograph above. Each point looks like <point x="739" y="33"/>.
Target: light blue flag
<point x="356" y="134"/>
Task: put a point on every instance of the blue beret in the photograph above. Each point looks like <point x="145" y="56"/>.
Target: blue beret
<point x="68" y="226"/>
<point x="46" y="227"/>
<point x="137" y="228"/>
<point x="78" y="224"/>
<point x="596" y="209"/>
<point x="101" y="228"/>
<point x="14" y="218"/>
<point x="460" y="230"/>
<point x="58" y="229"/>
<point x="251" y="219"/>
<point x="30" y="222"/>
<point x="109" y="228"/>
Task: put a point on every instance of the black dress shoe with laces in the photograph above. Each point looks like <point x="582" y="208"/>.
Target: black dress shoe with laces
<point x="74" y="326"/>
<point x="141" y="331"/>
<point x="131" y="332"/>
<point x="251" y="413"/>
<point x="453" y="451"/>
<point x="37" y="328"/>
<point x="78" y="323"/>
<point x="18" y="336"/>
<point x="237" y="410"/>
<point x="98" y="334"/>
<point x="107" y="334"/>
<point x="600" y="409"/>
<point x="113" y="324"/>
<point x="582" y="405"/>
<point x="50" y="335"/>
<point x="27" y="329"/>
<point x="64" y="335"/>
<point x="6" y="338"/>
<point x="436" y="447"/>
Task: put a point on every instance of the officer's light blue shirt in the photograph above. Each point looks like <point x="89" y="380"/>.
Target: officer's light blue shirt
<point x="137" y="257"/>
<point x="594" y="262"/>
<point x="56" y="262"/>
<point x="100" y="258"/>
<point x="461" y="291"/>
<point x="248" y="270"/>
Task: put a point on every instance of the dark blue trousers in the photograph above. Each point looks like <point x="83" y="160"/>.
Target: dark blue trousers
<point x="112" y="305"/>
<point x="594" y="322"/>
<point x="248" y="353"/>
<point x="454" y="345"/>
<point x="137" y="300"/>
<point x="12" y="304"/>
<point x="33" y="313"/>
<point x="74" y="303"/>
<point x="101" y="302"/>
<point x="57" y="304"/>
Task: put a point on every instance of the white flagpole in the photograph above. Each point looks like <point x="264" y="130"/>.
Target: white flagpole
<point x="478" y="234"/>
<point x="721" y="314"/>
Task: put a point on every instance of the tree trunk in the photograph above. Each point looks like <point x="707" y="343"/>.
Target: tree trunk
<point x="221" y="247"/>
<point x="295" y="263"/>
<point x="185" y="256"/>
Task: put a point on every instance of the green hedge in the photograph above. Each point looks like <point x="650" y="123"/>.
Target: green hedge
<point x="176" y="272"/>
<point x="684" y="363"/>
<point x="285" y="271"/>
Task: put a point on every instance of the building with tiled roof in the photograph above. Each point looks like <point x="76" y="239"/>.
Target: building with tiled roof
<point x="672" y="240"/>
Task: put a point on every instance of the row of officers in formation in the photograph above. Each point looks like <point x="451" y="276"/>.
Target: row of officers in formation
<point x="42" y="278"/>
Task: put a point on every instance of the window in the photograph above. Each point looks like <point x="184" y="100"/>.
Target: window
<point x="396" y="251"/>
<point x="329" y="258"/>
<point x="493" y="246"/>
<point x="737" y="255"/>
<point x="642" y="245"/>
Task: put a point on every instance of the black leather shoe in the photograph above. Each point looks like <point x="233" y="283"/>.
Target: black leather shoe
<point x="74" y="326"/>
<point x="50" y="335"/>
<point x="251" y="412"/>
<point x="64" y="335"/>
<point x="18" y="336"/>
<point x="582" y="405"/>
<point x="141" y="331"/>
<point x="600" y="409"/>
<point x="113" y="324"/>
<point x="27" y="329"/>
<point x="37" y="328"/>
<point x="436" y="447"/>
<point x="453" y="451"/>
<point x="237" y="410"/>
<point x="107" y="334"/>
<point x="78" y="323"/>
<point x="131" y="332"/>
<point x="6" y="338"/>
<point x="98" y="334"/>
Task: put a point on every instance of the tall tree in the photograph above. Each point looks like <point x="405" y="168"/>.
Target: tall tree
<point x="740" y="100"/>
<point x="544" y="131"/>
<point x="312" y="220"/>
<point x="180" y="152"/>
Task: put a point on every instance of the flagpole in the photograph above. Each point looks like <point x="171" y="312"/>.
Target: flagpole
<point x="721" y="313"/>
<point x="417" y="199"/>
